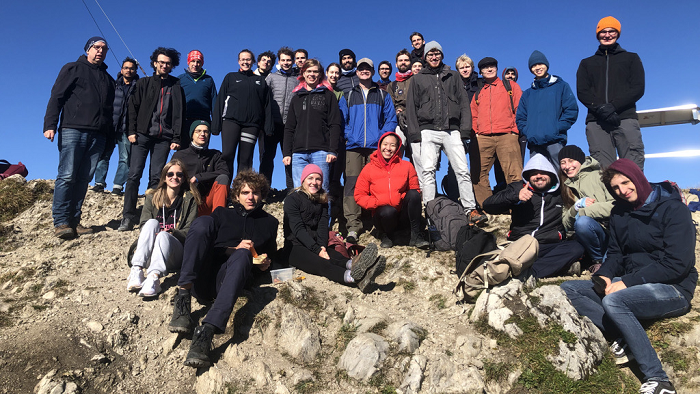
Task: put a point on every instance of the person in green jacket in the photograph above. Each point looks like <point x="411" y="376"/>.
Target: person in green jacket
<point x="587" y="202"/>
<point x="165" y="219"/>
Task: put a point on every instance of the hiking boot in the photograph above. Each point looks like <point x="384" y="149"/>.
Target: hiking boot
<point x="117" y="191"/>
<point x="135" y="278"/>
<point x="80" y="230"/>
<point x="352" y="237"/>
<point x="198" y="356"/>
<point x="574" y="269"/>
<point x="418" y="241"/>
<point x="126" y="225"/>
<point x="151" y="286"/>
<point x="98" y="188"/>
<point x="64" y="231"/>
<point x="657" y="387"/>
<point x="477" y="218"/>
<point x="181" y="321"/>
<point x="386" y="242"/>
<point x="362" y="262"/>
<point x="365" y="285"/>
<point x="619" y="351"/>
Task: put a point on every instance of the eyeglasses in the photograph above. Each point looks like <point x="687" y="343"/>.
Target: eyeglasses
<point x="608" y="32"/>
<point x="434" y="54"/>
<point x="176" y="174"/>
<point x="201" y="131"/>
<point x="161" y="63"/>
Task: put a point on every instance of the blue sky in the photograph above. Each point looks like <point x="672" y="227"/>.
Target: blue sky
<point x="40" y="36"/>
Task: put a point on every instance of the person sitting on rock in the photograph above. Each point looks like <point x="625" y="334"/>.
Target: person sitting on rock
<point x="209" y="170"/>
<point x="649" y="271"/>
<point x="587" y="202"/>
<point x="306" y="237"/>
<point x="388" y="187"/>
<point x="535" y="204"/>
<point x="220" y="252"/>
<point x="166" y="217"/>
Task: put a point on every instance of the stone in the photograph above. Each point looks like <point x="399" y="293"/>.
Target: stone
<point x="211" y="381"/>
<point x="280" y="388"/>
<point x="469" y="345"/>
<point x="234" y="356"/>
<point x="50" y="295"/>
<point x="406" y="335"/>
<point x="94" y="326"/>
<point x="50" y="384"/>
<point x="363" y="356"/>
<point x="298" y="335"/>
<point x="411" y="383"/>
<point x="446" y="377"/>
<point x="170" y="343"/>
<point x="261" y="373"/>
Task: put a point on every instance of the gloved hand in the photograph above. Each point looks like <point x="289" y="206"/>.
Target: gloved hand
<point x="613" y="119"/>
<point x="603" y="111"/>
<point x="580" y="204"/>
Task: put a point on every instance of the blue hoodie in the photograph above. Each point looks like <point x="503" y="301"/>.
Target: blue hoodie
<point x="547" y="110"/>
<point x="366" y="119"/>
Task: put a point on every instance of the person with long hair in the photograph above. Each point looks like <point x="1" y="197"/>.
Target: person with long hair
<point x="587" y="202"/>
<point x="332" y="76"/>
<point x="169" y="210"/>
<point x="306" y="237"/>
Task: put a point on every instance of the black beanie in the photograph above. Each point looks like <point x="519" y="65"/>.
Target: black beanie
<point x="572" y="152"/>
<point x="92" y="40"/>
<point x="344" y="52"/>
<point x="487" y="61"/>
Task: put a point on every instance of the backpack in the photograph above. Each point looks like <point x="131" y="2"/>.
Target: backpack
<point x="491" y="268"/>
<point x="7" y="169"/>
<point x="445" y="219"/>
<point x="509" y="89"/>
<point x="471" y="242"/>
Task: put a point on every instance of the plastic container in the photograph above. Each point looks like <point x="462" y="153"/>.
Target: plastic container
<point x="282" y="275"/>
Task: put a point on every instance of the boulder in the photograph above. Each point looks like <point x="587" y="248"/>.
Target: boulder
<point x="363" y="356"/>
<point x="298" y="335"/>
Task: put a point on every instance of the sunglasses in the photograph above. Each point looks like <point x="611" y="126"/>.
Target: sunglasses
<point x="172" y="174"/>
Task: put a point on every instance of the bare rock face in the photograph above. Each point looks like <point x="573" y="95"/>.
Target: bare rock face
<point x="446" y="377"/>
<point x="414" y="377"/>
<point x="406" y="334"/>
<point x="363" y="356"/>
<point x="211" y="381"/>
<point x="298" y="335"/>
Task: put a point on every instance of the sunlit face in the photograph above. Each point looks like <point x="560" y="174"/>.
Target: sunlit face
<point x="245" y="61"/>
<point x="510" y="74"/>
<point x="624" y="188"/>
<point x="249" y="198"/>
<point x="173" y="178"/>
<point x="384" y="71"/>
<point x="489" y="71"/>
<point x="333" y="74"/>
<point x="285" y="62"/>
<point x="365" y="72"/>
<point x="465" y="69"/>
<point x="416" y="67"/>
<point x="434" y="57"/>
<point x="388" y="147"/>
<point x="540" y="70"/>
<point x="311" y="76"/>
<point x="299" y="59"/>
<point x="195" y="66"/>
<point x="312" y="183"/>
<point x="347" y="62"/>
<point x="265" y="64"/>
<point x="608" y="36"/>
<point x="569" y="167"/>
<point x="200" y="135"/>
<point x="128" y="70"/>
<point x="417" y="42"/>
<point x="96" y="54"/>
<point x="540" y="180"/>
<point x="403" y="63"/>
<point x="163" y="65"/>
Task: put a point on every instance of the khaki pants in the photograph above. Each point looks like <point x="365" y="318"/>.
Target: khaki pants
<point x="355" y="160"/>
<point x="507" y="148"/>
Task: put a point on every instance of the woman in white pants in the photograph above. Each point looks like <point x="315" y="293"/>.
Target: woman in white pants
<point x="166" y="217"/>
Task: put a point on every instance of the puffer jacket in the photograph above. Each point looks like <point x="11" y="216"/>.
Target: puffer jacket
<point x="366" y="119"/>
<point x="492" y="112"/>
<point x="587" y="184"/>
<point x="347" y="81"/>
<point x="385" y="182"/>
<point x="122" y="93"/>
<point x="305" y="222"/>
<point x="546" y="111"/>
<point x="540" y="216"/>
<point x="653" y="244"/>
<point x="281" y="88"/>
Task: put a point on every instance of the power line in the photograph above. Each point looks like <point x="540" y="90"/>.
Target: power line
<point x="98" y="27"/>
<point x="120" y="37"/>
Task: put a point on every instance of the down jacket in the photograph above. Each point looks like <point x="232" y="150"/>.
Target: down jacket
<point x="282" y="90"/>
<point x="587" y="184"/>
<point x="385" y="182"/>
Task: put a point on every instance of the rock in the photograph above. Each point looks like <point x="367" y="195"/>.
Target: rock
<point x="497" y="319"/>
<point x="234" y="356"/>
<point x="496" y="298"/>
<point x="50" y="295"/>
<point x="414" y="376"/>
<point x="94" y="326"/>
<point x="363" y="356"/>
<point x="50" y="384"/>
<point x="211" y="381"/>
<point x="170" y="343"/>
<point x="302" y="375"/>
<point x="504" y="386"/>
<point x="298" y="335"/>
<point x="261" y="373"/>
<point x="281" y="388"/>
<point x="469" y="345"/>
<point x="406" y="335"/>
<point x="446" y="377"/>
<point x="100" y="358"/>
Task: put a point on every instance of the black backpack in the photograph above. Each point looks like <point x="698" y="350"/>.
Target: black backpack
<point x="471" y="242"/>
<point x="509" y="89"/>
<point x="445" y="219"/>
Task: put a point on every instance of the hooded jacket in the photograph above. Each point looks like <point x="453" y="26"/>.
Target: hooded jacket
<point x="145" y="101"/>
<point x="313" y="122"/>
<point x="81" y="98"/>
<point x="546" y="111"/>
<point x="366" y="118"/>
<point x="437" y="100"/>
<point x="120" y="107"/>
<point x="540" y="216"/>
<point x="587" y="183"/>
<point x="185" y="217"/>
<point x="492" y="112"/>
<point x="200" y="94"/>
<point x="245" y="99"/>
<point x="612" y="75"/>
<point x="385" y="182"/>
<point x="281" y="87"/>
<point x="204" y="164"/>
<point x="305" y="222"/>
<point x="654" y="243"/>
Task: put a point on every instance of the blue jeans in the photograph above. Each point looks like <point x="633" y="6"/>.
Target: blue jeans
<point x="78" y="152"/>
<point x="592" y="236"/>
<point x="301" y="159"/>
<point x="122" y="167"/>
<point x="618" y="315"/>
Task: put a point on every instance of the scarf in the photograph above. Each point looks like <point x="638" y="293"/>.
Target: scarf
<point x="400" y="77"/>
<point x="349" y="71"/>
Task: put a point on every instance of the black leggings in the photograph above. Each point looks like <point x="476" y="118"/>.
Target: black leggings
<point x="386" y="218"/>
<point x="310" y="262"/>
<point x="234" y="136"/>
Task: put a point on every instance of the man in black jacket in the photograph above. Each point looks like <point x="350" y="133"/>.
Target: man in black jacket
<point x="348" y="69"/>
<point x="609" y="84"/>
<point x="156" y="118"/>
<point x="81" y="98"/>
<point x="220" y="253"/>
<point x="536" y="207"/>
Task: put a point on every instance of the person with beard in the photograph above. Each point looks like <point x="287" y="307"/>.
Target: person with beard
<point x="243" y="108"/>
<point x="349" y="78"/>
<point x="398" y="90"/>
<point x="535" y="206"/>
<point x="200" y="93"/>
<point x="510" y="73"/>
<point x="609" y="84"/>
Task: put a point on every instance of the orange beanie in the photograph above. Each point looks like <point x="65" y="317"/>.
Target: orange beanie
<point x="608" y="22"/>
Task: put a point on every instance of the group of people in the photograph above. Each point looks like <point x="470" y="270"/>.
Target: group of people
<point x="343" y="137"/>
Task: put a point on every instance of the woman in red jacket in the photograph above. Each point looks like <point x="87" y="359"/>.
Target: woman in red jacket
<point x="388" y="186"/>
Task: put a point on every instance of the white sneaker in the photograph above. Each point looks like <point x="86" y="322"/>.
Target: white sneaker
<point x="151" y="287"/>
<point x="135" y="278"/>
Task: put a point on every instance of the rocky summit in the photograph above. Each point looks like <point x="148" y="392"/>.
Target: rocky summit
<point x="68" y="325"/>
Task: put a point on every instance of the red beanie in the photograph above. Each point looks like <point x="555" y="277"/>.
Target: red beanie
<point x="631" y="170"/>
<point x="194" y="55"/>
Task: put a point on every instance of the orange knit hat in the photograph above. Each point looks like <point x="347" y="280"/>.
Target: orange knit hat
<point x="608" y="22"/>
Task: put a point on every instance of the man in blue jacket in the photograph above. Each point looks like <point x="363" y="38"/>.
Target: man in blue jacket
<point x="200" y="93"/>
<point x="81" y="100"/>
<point x="547" y="110"/>
<point x="368" y="113"/>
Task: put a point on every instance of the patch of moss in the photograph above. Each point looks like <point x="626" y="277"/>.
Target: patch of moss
<point x="497" y="372"/>
<point x="407" y="285"/>
<point x="16" y="197"/>
<point x="439" y="300"/>
<point x="378" y="328"/>
<point x="345" y="334"/>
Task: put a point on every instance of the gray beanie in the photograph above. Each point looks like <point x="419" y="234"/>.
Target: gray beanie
<point x="432" y="45"/>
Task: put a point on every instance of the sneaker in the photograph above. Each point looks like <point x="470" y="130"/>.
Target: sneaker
<point x="64" y="231"/>
<point x="151" y="286"/>
<point x="126" y="225"/>
<point x="80" y="230"/>
<point x="386" y="242"/>
<point x="619" y="351"/>
<point x="363" y="262"/>
<point x="181" y="321"/>
<point x="117" y="192"/>
<point x="135" y="278"/>
<point x="352" y="237"/>
<point x="365" y="285"/>
<point x="418" y="241"/>
<point x="574" y="269"/>
<point x="198" y="356"/>
<point x="98" y="188"/>
<point x="657" y="387"/>
<point x="477" y="218"/>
